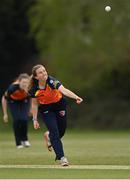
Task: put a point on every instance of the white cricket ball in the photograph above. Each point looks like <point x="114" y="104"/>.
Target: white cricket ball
<point x="107" y="8"/>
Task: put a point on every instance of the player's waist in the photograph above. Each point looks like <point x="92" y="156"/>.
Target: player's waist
<point x="49" y="100"/>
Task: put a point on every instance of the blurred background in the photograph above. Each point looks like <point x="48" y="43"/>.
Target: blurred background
<point x="82" y="45"/>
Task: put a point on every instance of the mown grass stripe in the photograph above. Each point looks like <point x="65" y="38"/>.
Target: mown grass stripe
<point x="109" y="167"/>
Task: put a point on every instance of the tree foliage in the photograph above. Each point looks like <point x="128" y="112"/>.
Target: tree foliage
<point x="85" y="47"/>
<point x="88" y="49"/>
<point x="83" y="44"/>
<point x="16" y="44"/>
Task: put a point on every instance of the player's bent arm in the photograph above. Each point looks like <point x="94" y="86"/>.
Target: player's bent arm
<point x="4" y="108"/>
<point x="70" y="94"/>
<point x="34" y="109"/>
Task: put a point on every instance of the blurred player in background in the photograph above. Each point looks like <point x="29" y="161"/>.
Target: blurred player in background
<point x="16" y="97"/>
<point x="47" y="98"/>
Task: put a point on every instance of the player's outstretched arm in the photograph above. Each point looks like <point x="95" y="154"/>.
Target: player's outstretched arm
<point x="70" y="94"/>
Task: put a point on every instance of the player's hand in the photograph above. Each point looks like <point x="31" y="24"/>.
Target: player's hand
<point x="5" y="118"/>
<point x="78" y="100"/>
<point x="36" y="125"/>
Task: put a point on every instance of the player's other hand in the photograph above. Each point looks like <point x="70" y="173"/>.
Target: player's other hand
<point x="78" y="100"/>
<point x="5" y="118"/>
<point x="36" y="125"/>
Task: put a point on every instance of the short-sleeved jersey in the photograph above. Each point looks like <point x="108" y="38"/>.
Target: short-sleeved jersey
<point x="14" y="92"/>
<point x="50" y="94"/>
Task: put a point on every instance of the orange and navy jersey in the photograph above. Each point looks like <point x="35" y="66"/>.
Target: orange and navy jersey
<point x="15" y="93"/>
<point x="50" y="94"/>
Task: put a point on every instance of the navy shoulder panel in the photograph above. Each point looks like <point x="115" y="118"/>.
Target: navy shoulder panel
<point x="53" y="82"/>
<point x="12" y="88"/>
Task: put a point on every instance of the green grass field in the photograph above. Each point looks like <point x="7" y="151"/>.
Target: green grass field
<point x="92" y="155"/>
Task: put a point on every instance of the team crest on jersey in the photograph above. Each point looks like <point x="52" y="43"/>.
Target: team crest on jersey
<point x="51" y="81"/>
<point x="62" y="113"/>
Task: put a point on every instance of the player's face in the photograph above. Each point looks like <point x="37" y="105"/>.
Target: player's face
<point x="41" y="74"/>
<point x="23" y="83"/>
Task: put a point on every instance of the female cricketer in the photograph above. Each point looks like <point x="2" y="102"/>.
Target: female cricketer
<point x="47" y="98"/>
<point x="18" y="100"/>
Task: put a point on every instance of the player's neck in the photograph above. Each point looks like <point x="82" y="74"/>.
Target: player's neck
<point x="42" y="83"/>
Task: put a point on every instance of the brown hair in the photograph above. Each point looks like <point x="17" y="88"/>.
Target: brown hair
<point x="23" y="76"/>
<point x="35" y="68"/>
<point x="20" y="77"/>
<point x="33" y="80"/>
